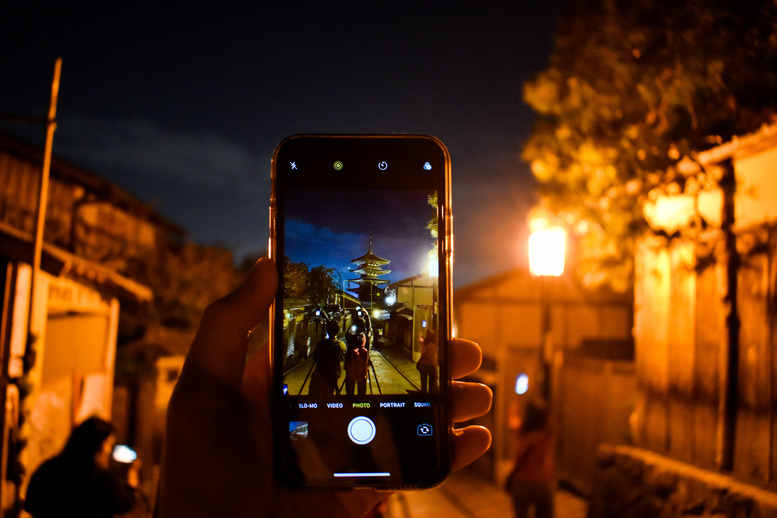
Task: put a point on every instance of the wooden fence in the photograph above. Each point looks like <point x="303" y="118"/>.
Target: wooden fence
<point x="705" y="339"/>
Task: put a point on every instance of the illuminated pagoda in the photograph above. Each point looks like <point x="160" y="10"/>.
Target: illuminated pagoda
<point x="369" y="286"/>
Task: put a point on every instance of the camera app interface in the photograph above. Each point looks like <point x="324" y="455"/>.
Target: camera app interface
<point x="360" y="293"/>
<point x="361" y="317"/>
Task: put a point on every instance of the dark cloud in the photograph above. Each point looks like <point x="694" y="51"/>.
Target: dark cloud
<point x="182" y="105"/>
<point x="196" y="156"/>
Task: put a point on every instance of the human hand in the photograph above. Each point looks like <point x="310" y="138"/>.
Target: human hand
<point x="218" y="458"/>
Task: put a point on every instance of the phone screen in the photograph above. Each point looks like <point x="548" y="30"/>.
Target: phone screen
<point x="361" y="234"/>
<point x="124" y="454"/>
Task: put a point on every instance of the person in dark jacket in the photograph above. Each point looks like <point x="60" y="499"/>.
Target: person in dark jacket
<point x="78" y="481"/>
<point x="329" y="355"/>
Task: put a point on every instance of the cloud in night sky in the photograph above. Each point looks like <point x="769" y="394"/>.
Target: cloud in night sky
<point x="140" y="144"/>
<point x="318" y="245"/>
<point x="182" y="107"/>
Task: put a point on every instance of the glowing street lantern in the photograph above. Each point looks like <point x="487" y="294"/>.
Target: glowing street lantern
<point x="434" y="268"/>
<point x="522" y="384"/>
<point x="391" y="298"/>
<point x="547" y="248"/>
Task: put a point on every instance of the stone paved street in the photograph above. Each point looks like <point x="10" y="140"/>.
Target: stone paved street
<point x="390" y="373"/>
<point x="468" y="494"/>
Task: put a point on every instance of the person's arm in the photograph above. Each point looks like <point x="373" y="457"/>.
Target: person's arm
<point x="118" y="494"/>
<point x="218" y="457"/>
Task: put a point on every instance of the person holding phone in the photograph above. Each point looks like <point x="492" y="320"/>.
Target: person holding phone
<point x="78" y="481"/>
<point x="218" y="457"/>
<point x="357" y="360"/>
<point x="328" y="355"/>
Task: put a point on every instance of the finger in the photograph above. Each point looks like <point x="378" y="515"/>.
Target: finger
<point x="257" y="376"/>
<point x="219" y="347"/>
<point x="470" y="400"/>
<point x="465" y="357"/>
<point x="468" y="444"/>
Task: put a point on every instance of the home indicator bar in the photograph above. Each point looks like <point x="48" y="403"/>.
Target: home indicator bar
<point x="376" y="474"/>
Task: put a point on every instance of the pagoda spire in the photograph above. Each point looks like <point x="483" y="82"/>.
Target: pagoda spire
<point x="369" y="267"/>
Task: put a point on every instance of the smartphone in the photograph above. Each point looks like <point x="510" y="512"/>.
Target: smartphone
<point x="124" y="454"/>
<point x="361" y="233"/>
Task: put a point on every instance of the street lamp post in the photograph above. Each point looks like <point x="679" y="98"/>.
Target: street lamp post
<point x="547" y="248"/>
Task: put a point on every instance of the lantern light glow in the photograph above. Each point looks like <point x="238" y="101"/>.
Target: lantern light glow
<point x="547" y="248"/>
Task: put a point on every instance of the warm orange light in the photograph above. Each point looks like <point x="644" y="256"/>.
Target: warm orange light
<point x="547" y="248"/>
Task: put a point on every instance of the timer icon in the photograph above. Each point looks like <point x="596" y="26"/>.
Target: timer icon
<point x="383" y="165"/>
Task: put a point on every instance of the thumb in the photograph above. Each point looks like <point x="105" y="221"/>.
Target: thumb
<point x="219" y="347"/>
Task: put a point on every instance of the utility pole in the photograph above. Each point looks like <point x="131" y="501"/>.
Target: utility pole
<point x="729" y="367"/>
<point x="40" y="216"/>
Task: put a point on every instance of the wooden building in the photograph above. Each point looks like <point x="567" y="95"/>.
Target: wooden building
<point x="706" y="288"/>
<point x="587" y="343"/>
<point x="115" y="277"/>
<point x="705" y="299"/>
<point x="413" y="309"/>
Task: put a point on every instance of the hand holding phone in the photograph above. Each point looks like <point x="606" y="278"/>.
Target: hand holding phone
<point x="219" y="440"/>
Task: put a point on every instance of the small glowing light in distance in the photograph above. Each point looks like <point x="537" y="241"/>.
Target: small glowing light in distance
<point x="521" y="384"/>
<point x="546" y="252"/>
<point x="123" y="453"/>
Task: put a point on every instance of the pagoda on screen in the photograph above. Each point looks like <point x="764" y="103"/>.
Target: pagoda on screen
<point x="370" y="288"/>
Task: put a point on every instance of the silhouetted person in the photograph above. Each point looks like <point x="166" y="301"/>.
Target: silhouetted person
<point x="78" y="482"/>
<point x="531" y="483"/>
<point x="357" y="359"/>
<point x="427" y="363"/>
<point x="361" y="323"/>
<point x="329" y="355"/>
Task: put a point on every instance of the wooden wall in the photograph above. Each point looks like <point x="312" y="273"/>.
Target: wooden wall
<point x="682" y="344"/>
<point x="594" y="400"/>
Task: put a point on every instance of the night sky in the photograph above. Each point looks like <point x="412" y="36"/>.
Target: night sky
<point x="183" y="106"/>
<point x="334" y="229"/>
